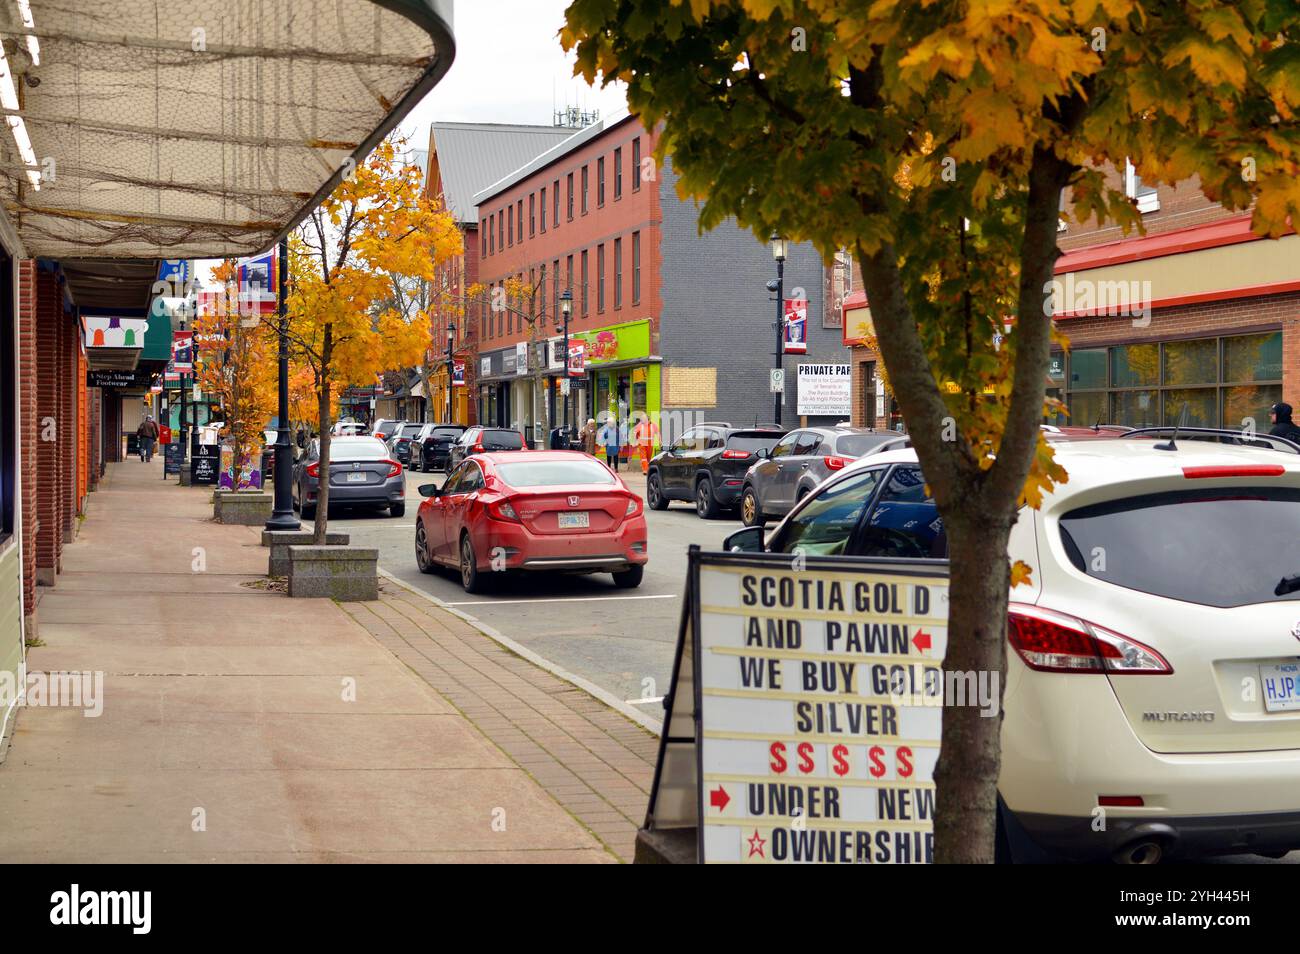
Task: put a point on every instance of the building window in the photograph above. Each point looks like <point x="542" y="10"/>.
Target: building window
<point x="568" y="275"/>
<point x="618" y="273"/>
<point x="532" y="215"/>
<point x="600" y="278"/>
<point x="555" y="284"/>
<point x="501" y="230"/>
<point x="492" y="234"/>
<point x="636" y="268"/>
<point x="569" y="202"/>
<point x="541" y="285"/>
<point x="584" y="283"/>
<point x="519" y="222"/>
<point x="600" y="182"/>
<point x="636" y="164"/>
<point x="532" y="293"/>
<point x="1222" y="382"/>
<point x="585" y="189"/>
<point x="618" y="174"/>
<point x="556" y="204"/>
<point x="510" y="225"/>
<point x="483" y="234"/>
<point x="542" y="197"/>
<point x="1145" y="195"/>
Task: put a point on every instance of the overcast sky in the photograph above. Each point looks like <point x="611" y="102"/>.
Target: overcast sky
<point x="509" y="68"/>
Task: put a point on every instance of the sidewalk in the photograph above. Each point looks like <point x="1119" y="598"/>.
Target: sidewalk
<point x="228" y="730"/>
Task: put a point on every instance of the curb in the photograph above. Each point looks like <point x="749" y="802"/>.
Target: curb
<point x="590" y="688"/>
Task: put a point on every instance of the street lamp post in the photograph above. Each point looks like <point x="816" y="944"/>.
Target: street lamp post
<point x="282" y="517"/>
<point x="778" y="252"/>
<point x="451" y="370"/>
<point x="566" y="309"/>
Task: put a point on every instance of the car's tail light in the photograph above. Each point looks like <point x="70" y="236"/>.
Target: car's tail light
<point x="1054" y="642"/>
<point x="478" y="448"/>
<point x="1235" y="470"/>
<point x="735" y="455"/>
<point x="502" y="510"/>
<point x="394" y="468"/>
<point x="381" y="435"/>
<point x="633" y="507"/>
<point x="313" y="470"/>
<point x="836" y="463"/>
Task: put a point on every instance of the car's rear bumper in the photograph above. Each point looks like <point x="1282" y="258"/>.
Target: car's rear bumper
<point x="391" y="491"/>
<point x="727" y="490"/>
<point x="1184" y="836"/>
<point x="512" y="546"/>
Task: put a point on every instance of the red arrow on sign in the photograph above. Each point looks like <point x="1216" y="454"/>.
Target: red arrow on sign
<point x="921" y="640"/>
<point x="718" y="798"/>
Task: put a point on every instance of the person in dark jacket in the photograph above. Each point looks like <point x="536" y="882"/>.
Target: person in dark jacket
<point x="148" y="434"/>
<point x="1283" y="426"/>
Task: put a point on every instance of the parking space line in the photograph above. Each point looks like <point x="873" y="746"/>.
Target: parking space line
<point x="566" y="599"/>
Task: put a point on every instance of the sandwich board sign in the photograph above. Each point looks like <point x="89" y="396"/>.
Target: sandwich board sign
<point x="804" y="718"/>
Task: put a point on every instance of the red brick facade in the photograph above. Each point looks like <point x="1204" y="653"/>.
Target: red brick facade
<point x="28" y="428"/>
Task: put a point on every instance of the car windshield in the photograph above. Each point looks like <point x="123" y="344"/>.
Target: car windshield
<point x="553" y="473"/>
<point x="752" y="442"/>
<point x="855" y="445"/>
<point x="447" y="433"/>
<point x="410" y="430"/>
<point x="501" y="440"/>
<point x="1159" y="544"/>
<point x="357" y="448"/>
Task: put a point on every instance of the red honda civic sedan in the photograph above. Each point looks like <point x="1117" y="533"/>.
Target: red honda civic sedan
<point x="544" y="510"/>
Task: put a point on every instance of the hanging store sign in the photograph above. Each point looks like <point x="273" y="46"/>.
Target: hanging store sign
<point x="109" y="378"/>
<point x="521" y="358"/>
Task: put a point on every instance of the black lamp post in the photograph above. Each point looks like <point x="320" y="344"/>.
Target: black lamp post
<point x="778" y="252"/>
<point x="282" y="517"/>
<point x="451" y="370"/>
<point x="566" y="309"/>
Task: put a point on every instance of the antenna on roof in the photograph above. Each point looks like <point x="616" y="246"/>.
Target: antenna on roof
<point x="1182" y="421"/>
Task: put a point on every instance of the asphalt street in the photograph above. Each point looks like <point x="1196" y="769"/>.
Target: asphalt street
<point x="621" y="640"/>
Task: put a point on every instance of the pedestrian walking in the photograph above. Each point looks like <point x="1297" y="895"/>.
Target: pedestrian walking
<point x="588" y="436"/>
<point x="609" y="440"/>
<point x="148" y="433"/>
<point x="1283" y="426"/>
<point x="644" y="436"/>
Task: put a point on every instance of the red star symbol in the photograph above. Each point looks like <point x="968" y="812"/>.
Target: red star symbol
<point x="756" y="845"/>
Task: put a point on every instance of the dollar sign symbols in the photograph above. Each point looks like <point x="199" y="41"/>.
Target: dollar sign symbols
<point x="840" y="752"/>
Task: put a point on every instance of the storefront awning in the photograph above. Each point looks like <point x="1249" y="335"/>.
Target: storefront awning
<point x="150" y="129"/>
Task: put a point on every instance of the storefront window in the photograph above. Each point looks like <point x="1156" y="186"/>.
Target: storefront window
<point x="1087" y="408"/>
<point x="1250" y="358"/>
<point x="1135" y="365"/>
<point x="1202" y="407"/>
<point x="1088" y="369"/>
<point x="1134" y="408"/>
<point x="1247" y="403"/>
<point x="1191" y="362"/>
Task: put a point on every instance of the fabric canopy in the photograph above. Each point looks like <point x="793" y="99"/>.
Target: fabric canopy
<point x="153" y="129"/>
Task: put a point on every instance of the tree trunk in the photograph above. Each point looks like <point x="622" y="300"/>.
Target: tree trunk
<point x="323" y="493"/>
<point x="970" y="756"/>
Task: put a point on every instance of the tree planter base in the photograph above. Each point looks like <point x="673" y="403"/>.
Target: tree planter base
<point x="347" y="574"/>
<point x="281" y="540"/>
<point x="245" y="508"/>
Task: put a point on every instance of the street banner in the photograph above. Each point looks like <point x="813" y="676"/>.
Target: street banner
<point x="182" y="351"/>
<point x="825" y="389"/>
<point x="521" y="357"/>
<point x="577" y="359"/>
<point x="796" y="326"/>
<point x="458" y="374"/>
<point x="805" y="714"/>
<point x="259" y="283"/>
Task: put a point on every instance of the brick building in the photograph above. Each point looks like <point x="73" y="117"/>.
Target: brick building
<point x="1197" y="314"/>
<point x="464" y="158"/>
<point x="671" y="323"/>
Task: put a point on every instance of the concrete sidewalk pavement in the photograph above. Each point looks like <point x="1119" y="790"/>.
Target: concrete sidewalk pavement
<point x="240" y="725"/>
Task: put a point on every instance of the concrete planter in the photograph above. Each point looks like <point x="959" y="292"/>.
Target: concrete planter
<point x="347" y="574"/>
<point x="281" y="540"/>
<point x="245" y="508"/>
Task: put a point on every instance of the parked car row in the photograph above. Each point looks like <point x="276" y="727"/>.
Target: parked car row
<point x="758" y="472"/>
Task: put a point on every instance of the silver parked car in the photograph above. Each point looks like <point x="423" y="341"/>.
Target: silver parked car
<point x="361" y="472"/>
<point x="800" y="461"/>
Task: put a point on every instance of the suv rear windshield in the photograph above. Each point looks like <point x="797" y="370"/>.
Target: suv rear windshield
<point x="552" y="473"/>
<point x="410" y="430"/>
<point x="751" y="441"/>
<point x="856" y="445"/>
<point x="500" y="440"/>
<point x="447" y="433"/>
<point x="1223" y="547"/>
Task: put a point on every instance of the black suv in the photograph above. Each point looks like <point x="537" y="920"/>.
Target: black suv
<point x="431" y="448"/>
<point x="399" y="442"/>
<point x="707" y="464"/>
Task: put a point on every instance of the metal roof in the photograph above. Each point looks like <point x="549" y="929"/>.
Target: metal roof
<point x="536" y="162"/>
<point x="471" y="156"/>
<point x="152" y="129"/>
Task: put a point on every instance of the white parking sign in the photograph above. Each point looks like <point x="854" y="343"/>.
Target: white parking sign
<point x="776" y="380"/>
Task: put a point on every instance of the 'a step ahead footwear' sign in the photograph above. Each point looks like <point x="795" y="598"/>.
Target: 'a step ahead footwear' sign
<point x="806" y="709"/>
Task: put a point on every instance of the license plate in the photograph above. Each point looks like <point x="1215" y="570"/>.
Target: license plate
<point x="1281" y="687"/>
<point x="575" y="520"/>
<point x="357" y="478"/>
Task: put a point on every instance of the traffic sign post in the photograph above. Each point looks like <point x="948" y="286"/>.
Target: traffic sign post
<point x="776" y="380"/>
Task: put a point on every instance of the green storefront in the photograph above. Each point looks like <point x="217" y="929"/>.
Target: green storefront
<point x="622" y="375"/>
